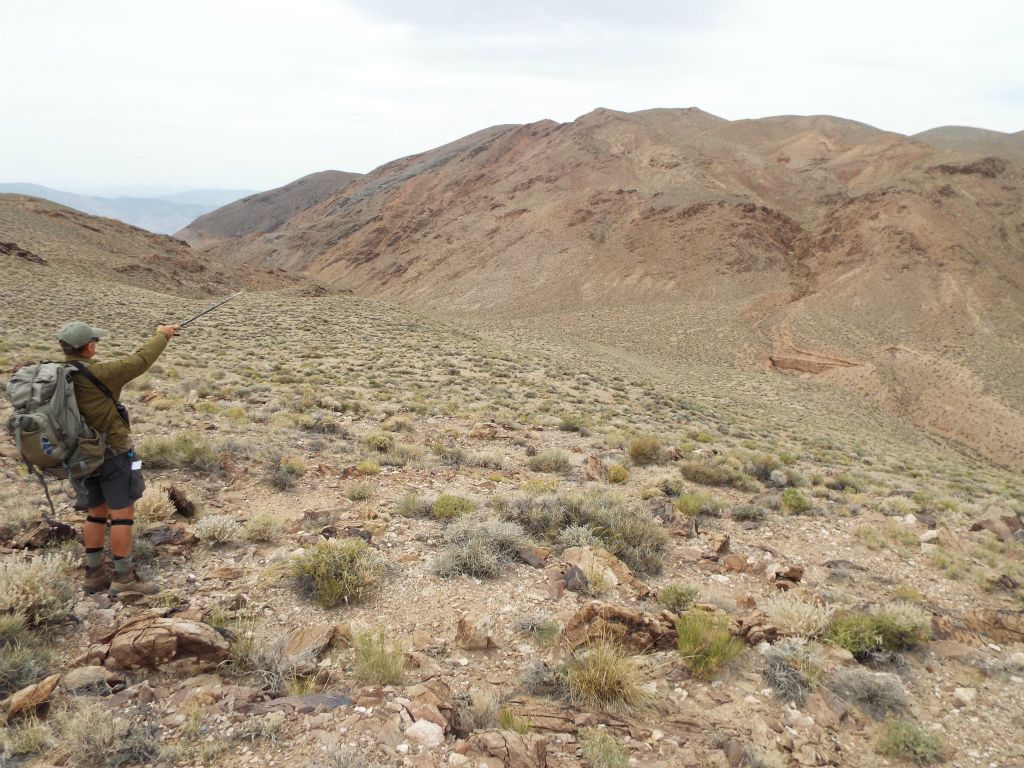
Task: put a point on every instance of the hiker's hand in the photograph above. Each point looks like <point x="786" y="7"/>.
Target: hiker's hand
<point x="168" y="330"/>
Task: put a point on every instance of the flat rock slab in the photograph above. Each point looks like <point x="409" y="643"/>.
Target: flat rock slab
<point x="642" y="631"/>
<point x="150" y="641"/>
<point x="29" y="699"/>
<point x="302" y="705"/>
<point x="307" y="643"/>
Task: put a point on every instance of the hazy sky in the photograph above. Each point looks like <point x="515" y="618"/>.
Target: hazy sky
<point x="253" y="94"/>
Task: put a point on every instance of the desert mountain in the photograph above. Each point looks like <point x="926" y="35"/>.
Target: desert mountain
<point x="163" y="215"/>
<point x="266" y="211"/>
<point x="867" y="259"/>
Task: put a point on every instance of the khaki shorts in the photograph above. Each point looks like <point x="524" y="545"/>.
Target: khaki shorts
<point x="115" y="484"/>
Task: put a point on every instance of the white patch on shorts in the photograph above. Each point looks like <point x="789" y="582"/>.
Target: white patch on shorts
<point x="137" y="464"/>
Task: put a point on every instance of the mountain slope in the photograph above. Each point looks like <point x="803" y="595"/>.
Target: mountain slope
<point x="265" y="211"/>
<point x="819" y="245"/>
<point x="163" y="215"/>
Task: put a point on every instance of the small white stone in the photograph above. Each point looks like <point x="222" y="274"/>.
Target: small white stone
<point x="964" y="697"/>
<point x="402" y="749"/>
<point x="426" y="733"/>
<point x="927" y="536"/>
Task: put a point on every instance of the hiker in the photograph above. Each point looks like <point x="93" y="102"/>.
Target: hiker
<point x="111" y="491"/>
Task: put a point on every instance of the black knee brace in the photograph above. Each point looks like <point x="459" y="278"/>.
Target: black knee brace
<point x="94" y="519"/>
<point x="122" y="522"/>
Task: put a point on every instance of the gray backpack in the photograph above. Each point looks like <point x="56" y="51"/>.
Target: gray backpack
<point x="48" y="428"/>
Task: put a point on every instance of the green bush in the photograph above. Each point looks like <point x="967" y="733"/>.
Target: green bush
<point x="794" y="502"/>
<point x="23" y="660"/>
<point x="448" y="507"/>
<point x="905" y="741"/>
<point x="339" y="571"/>
<point x="382" y="442"/>
<point x="708" y="474"/>
<point x="645" y="449"/>
<point x="890" y="627"/>
<point x="573" y="422"/>
<point x="705" y="643"/>
<point x="698" y="503"/>
<point x="748" y="513"/>
<point x="359" y="491"/>
<point x="602" y="750"/>
<point x="678" y="597"/>
<point x="617" y="473"/>
<point x="554" y="460"/>
<point x="186" y="450"/>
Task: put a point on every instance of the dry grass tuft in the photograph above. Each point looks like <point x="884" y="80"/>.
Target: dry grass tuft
<point x="794" y="616"/>
<point x="705" y="643"/>
<point x="604" y="676"/>
<point x="37" y="589"/>
<point x="378" y="660"/>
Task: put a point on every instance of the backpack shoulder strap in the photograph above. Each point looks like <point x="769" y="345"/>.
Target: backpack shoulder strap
<point x="83" y="369"/>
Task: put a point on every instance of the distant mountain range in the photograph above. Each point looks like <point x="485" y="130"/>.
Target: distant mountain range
<point x="163" y="214"/>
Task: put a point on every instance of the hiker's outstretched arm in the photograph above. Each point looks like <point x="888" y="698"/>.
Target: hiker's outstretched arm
<point x="117" y="373"/>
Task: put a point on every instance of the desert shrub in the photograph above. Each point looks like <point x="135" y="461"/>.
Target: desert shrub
<point x="906" y="741"/>
<point x="95" y="736"/>
<point x="897" y="506"/>
<point x="398" y="424"/>
<point x="401" y="455"/>
<point x="602" y="675"/>
<point x="481" y="711"/>
<point x="252" y="654"/>
<point x="382" y="442"/>
<point x="879" y="694"/>
<point x="485" y="460"/>
<point x="578" y="536"/>
<point x="761" y="466"/>
<point x="632" y="536"/>
<point x="323" y="424"/>
<point x="705" y="643"/>
<point x="339" y="571"/>
<point x="154" y="506"/>
<point x="449" y="454"/>
<point x="902" y="626"/>
<point x="678" y="597"/>
<point x="37" y="589"/>
<point x="698" y="503"/>
<point x="794" y="616"/>
<point x="186" y="450"/>
<point x="448" y="507"/>
<point x="670" y="486"/>
<point x="214" y="530"/>
<point x="483" y="548"/>
<point x="644" y="449"/>
<point x="411" y="505"/>
<point x="285" y="469"/>
<point x="23" y="659"/>
<point x="543" y="631"/>
<point x="263" y="527"/>
<point x="794" y="502"/>
<point x="890" y="627"/>
<point x="359" y="491"/>
<point x="704" y="473"/>
<point x="25" y="737"/>
<point x="378" y="661"/>
<point x="508" y="720"/>
<point x="368" y="466"/>
<point x="792" y="669"/>
<point x="573" y="422"/>
<point x="554" y="460"/>
<point x="617" y="474"/>
<point x="601" y="749"/>
<point x="748" y="513"/>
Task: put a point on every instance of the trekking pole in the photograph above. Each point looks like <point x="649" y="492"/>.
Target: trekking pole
<point x="210" y="309"/>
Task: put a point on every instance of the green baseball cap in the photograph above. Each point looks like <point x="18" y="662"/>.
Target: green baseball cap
<point x="78" y="334"/>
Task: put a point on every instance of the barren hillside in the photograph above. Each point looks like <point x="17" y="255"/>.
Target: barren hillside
<point x="882" y="264"/>
<point x="265" y="211"/>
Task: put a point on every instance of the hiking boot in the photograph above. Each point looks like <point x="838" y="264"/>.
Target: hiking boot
<point x="132" y="583"/>
<point x="98" y="579"/>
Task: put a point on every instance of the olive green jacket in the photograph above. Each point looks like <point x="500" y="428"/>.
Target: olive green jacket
<point x="96" y="408"/>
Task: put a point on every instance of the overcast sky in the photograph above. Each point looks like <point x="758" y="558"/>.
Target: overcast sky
<point x="217" y="93"/>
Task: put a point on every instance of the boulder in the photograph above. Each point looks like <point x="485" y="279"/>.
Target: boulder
<point x="29" y="699"/>
<point x="643" y="632"/>
<point x="597" y="560"/>
<point x="1004" y="626"/>
<point x="508" y="749"/>
<point x="595" y="469"/>
<point x="425" y="733"/>
<point x="92" y="680"/>
<point x="150" y="641"/>
<point x="307" y="643"/>
<point x="473" y="633"/>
